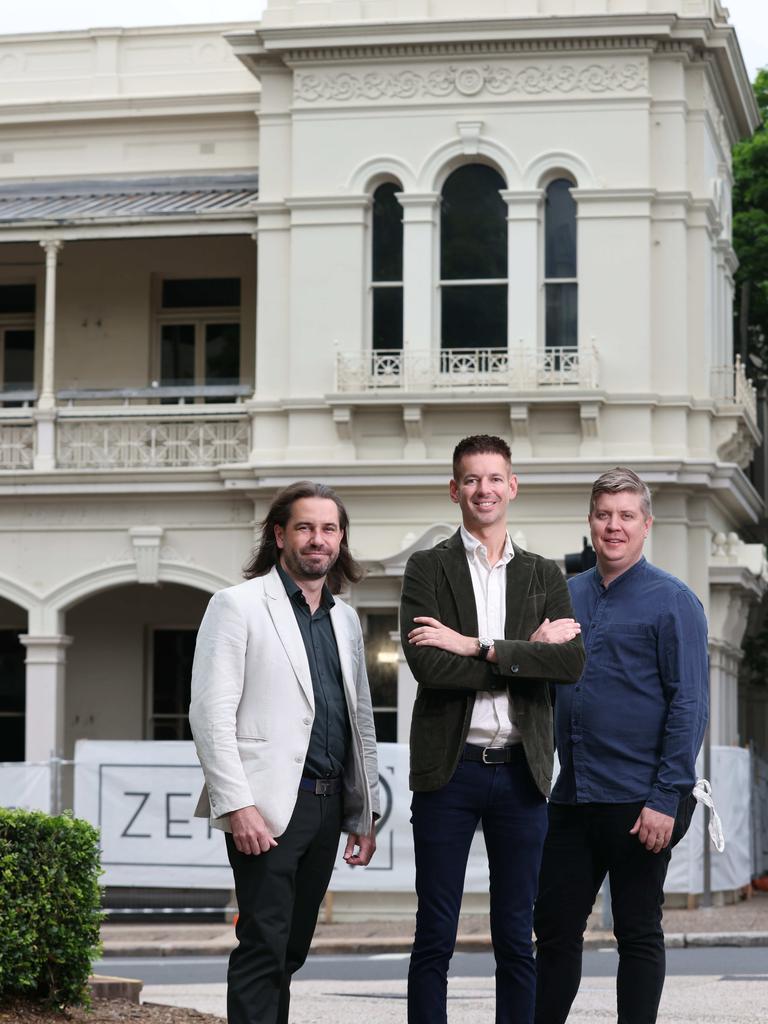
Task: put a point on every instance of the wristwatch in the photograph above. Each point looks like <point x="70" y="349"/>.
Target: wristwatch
<point x="484" y="645"/>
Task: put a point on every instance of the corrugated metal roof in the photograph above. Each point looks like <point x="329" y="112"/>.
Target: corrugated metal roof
<point x="78" y="202"/>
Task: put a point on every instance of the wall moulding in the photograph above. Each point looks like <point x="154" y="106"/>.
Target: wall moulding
<point x="564" y="78"/>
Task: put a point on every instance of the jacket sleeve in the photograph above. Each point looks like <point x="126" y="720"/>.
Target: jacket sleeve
<point x="366" y="726"/>
<point x="431" y="667"/>
<point x="218" y="672"/>
<point x="558" y="663"/>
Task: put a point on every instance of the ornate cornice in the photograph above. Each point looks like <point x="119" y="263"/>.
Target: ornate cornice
<point x="555" y="78"/>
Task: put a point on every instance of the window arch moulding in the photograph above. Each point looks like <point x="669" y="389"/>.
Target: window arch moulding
<point x="373" y="172"/>
<point x="446" y="159"/>
<point x="547" y="167"/>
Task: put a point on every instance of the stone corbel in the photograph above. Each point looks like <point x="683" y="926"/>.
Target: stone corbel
<point x="519" y="426"/>
<point x="469" y="133"/>
<point x="413" y="424"/>
<point x="145" y="541"/>
<point x="342" y="420"/>
<point x="589" y="414"/>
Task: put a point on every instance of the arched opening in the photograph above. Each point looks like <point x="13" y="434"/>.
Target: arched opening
<point x="13" y="701"/>
<point x="560" y="266"/>
<point x="387" y="268"/>
<point x="130" y="663"/>
<point x="473" y="259"/>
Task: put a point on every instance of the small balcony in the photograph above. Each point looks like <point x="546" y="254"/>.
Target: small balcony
<point x="732" y="387"/>
<point x="519" y="369"/>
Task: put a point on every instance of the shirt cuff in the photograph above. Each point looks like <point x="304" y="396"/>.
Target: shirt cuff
<point x="663" y="802"/>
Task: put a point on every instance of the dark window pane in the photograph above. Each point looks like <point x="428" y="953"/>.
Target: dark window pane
<point x="381" y="657"/>
<point x="197" y="292"/>
<point x="177" y="356"/>
<point x="387" y="234"/>
<point x="173" y="652"/>
<point x="385" y="723"/>
<point x="12" y="738"/>
<point x="387" y="318"/>
<point x="562" y="309"/>
<point x="474" y="316"/>
<point x="17" y="298"/>
<point x="171" y="729"/>
<point x="19" y="358"/>
<point x="473" y="225"/>
<point x="560" y="220"/>
<point x="12" y="675"/>
<point x="222" y="353"/>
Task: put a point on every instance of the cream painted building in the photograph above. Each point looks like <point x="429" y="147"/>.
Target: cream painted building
<point x="329" y="245"/>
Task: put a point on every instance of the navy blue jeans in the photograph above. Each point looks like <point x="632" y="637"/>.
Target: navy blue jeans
<point x="513" y="813"/>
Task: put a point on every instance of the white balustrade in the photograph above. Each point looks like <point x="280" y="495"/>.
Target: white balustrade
<point x="730" y="384"/>
<point x="17" y="444"/>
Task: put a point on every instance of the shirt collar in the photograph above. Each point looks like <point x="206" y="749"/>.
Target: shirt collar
<point x="475" y="548"/>
<point x="294" y="591"/>
<point x="627" y="574"/>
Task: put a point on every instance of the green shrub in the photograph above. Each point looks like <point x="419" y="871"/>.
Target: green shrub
<point x="49" y="906"/>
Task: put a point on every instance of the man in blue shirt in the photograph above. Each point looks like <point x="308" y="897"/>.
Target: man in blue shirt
<point x="627" y="736"/>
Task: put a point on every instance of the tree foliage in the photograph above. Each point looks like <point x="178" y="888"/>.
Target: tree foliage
<point x="750" y="229"/>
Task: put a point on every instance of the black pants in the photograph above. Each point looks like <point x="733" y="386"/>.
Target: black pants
<point x="278" y="896"/>
<point x="584" y="843"/>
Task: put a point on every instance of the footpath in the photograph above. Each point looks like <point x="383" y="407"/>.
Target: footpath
<point x="740" y="924"/>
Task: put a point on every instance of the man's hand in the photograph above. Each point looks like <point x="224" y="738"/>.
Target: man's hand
<point x="558" y="632"/>
<point x="249" y="831"/>
<point x="431" y="633"/>
<point x="653" y="829"/>
<point x="366" y="847"/>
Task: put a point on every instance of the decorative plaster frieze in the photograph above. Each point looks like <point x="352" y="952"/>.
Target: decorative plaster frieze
<point x="471" y="80"/>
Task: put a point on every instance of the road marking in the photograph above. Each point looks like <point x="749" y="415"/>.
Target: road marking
<point x="389" y="956"/>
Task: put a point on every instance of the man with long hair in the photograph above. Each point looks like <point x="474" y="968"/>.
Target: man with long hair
<point x="282" y="720"/>
<point x="486" y="627"/>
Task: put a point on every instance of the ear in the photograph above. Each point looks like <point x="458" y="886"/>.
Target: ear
<point x="512" y="487"/>
<point x="647" y="524"/>
<point x="279" y="536"/>
<point x="454" y="491"/>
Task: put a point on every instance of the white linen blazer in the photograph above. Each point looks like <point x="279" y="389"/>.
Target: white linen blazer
<point x="253" y="707"/>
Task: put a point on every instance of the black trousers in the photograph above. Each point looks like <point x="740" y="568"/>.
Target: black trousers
<point x="278" y="896"/>
<point x="584" y="843"/>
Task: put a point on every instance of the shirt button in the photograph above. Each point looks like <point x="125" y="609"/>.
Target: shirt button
<point x="514" y="668"/>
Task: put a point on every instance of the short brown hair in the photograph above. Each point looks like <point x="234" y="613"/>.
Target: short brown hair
<point x="480" y="444"/>
<point x="621" y="479"/>
<point x="344" y="570"/>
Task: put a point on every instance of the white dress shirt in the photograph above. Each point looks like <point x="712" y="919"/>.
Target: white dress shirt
<point x="491" y="724"/>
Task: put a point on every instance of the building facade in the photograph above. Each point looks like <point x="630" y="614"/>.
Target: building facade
<point x="329" y="245"/>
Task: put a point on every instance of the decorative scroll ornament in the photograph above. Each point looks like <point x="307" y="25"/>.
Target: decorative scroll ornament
<point x="470" y="80"/>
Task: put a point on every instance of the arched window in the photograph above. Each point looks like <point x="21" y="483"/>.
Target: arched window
<point x="473" y="259"/>
<point x="560" y="284"/>
<point x="387" y="268"/>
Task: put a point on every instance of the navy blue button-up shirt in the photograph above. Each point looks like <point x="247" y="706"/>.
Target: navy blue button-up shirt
<point x="631" y="728"/>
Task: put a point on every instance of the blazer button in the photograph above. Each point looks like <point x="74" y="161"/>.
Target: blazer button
<point x="298" y="759"/>
<point x="514" y="668"/>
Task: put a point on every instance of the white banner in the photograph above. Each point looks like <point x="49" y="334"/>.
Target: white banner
<point x="25" y="785"/>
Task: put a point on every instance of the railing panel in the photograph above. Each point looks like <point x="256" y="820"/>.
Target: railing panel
<point x="17" y="445"/>
<point x="144" y="443"/>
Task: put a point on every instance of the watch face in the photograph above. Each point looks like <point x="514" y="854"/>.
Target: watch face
<point x="485" y="642"/>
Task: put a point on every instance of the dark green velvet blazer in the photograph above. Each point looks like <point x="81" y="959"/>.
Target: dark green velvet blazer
<point x="437" y="583"/>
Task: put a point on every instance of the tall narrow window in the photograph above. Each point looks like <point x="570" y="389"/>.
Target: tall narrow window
<point x="172" y="654"/>
<point x="12" y="696"/>
<point x="200" y="332"/>
<point x="560" y="285"/>
<point x="473" y="259"/>
<point x="17" y="338"/>
<point x="387" y="268"/>
<point x="381" y="667"/>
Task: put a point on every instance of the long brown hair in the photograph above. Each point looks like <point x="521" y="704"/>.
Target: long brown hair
<point x="344" y="570"/>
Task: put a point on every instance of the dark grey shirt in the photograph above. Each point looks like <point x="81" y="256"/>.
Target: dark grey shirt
<point x="330" y="735"/>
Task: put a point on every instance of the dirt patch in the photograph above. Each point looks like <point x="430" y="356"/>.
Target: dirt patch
<point x="106" y="1011"/>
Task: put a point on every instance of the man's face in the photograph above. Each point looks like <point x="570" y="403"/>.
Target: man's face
<point x="619" y="528"/>
<point x="483" y="490"/>
<point x="310" y="541"/>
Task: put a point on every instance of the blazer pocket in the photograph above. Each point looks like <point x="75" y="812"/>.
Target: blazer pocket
<point x="254" y="753"/>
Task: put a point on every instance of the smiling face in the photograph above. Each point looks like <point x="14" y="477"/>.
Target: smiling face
<point x="619" y="527"/>
<point x="310" y="541"/>
<point x="484" y="487"/>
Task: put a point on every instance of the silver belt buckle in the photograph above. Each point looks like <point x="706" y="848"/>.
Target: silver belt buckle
<point x="485" y="759"/>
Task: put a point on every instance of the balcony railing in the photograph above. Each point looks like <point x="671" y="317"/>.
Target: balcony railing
<point x="731" y="385"/>
<point x="17" y="441"/>
<point x="519" y="369"/>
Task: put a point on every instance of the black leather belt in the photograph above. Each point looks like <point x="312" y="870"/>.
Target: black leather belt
<point x="494" y="755"/>
<point x="321" y="787"/>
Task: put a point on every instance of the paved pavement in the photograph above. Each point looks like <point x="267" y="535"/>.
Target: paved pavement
<point x="741" y="924"/>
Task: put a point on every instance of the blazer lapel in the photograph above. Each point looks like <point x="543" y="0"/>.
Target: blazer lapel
<point x="344" y="646"/>
<point x="454" y="561"/>
<point x="284" y="621"/>
<point x="519" y="571"/>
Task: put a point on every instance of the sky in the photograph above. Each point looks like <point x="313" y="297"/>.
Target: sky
<point x="749" y="16"/>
